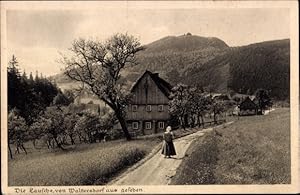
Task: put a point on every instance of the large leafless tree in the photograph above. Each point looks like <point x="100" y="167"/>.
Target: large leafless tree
<point x="97" y="65"/>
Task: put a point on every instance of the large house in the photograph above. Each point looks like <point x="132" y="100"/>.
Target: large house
<point x="148" y="111"/>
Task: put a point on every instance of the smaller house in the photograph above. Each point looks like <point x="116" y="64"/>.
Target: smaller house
<point x="248" y="107"/>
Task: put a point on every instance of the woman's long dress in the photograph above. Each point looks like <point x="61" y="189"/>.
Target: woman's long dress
<point x="168" y="148"/>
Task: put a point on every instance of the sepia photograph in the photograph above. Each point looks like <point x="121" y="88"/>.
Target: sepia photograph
<point x="149" y="97"/>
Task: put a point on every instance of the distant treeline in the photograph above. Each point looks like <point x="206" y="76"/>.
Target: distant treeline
<point x="27" y="94"/>
<point x="245" y="69"/>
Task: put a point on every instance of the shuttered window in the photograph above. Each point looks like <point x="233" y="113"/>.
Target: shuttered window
<point x="161" y="125"/>
<point x="134" y="108"/>
<point x="148" y="125"/>
<point x="135" y="125"/>
<point x="148" y="108"/>
<point x="160" y="108"/>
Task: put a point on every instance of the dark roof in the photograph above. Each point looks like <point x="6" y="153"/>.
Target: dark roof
<point x="221" y="97"/>
<point x="247" y="104"/>
<point x="162" y="84"/>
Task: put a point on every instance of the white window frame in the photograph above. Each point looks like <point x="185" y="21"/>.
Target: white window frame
<point x="148" y="125"/>
<point x="160" y="108"/>
<point x="148" y="108"/>
<point x="161" y="125"/>
<point x="135" y="125"/>
<point x="134" y="108"/>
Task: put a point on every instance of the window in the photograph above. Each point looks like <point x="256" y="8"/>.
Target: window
<point x="161" y="125"/>
<point x="160" y="108"/>
<point x="135" y="125"/>
<point x="134" y="108"/>
<point x="148" y="125"/>
<point x="148" y="108"/>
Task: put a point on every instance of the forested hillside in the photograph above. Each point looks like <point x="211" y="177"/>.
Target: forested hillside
<point x="179" y="53"/>
<point x="245" y="69"/>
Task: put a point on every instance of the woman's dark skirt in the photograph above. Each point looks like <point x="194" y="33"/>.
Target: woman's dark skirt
<point x="168" y="149"/>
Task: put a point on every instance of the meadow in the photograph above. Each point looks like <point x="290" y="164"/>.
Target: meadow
<point x="81" y="164"/>
<point x="85" y="164"/>
<point x="252" y="150"/>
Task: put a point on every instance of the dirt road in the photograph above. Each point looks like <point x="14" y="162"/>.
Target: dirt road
<point x="158" y="170"/>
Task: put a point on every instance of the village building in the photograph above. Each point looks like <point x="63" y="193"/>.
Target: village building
<point x="221" y="97"/>
<point x="248" y="107"/>
<point x="148" y="111"/>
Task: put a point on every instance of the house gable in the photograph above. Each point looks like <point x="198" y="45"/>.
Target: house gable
<point x="248" y="104"/>
<point x="150" y="89"/>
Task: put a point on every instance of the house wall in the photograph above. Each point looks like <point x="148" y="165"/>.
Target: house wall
<point x="143" y="114"/>
<point x="144" y="94"/>
<point x="142" y="130"/>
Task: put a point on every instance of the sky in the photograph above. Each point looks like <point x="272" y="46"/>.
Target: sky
<point x="36" y="37"/>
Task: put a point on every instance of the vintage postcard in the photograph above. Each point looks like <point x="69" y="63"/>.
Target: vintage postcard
<point x="149" y="97"/>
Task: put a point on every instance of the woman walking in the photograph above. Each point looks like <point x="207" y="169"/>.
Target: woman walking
<point x="168" y="148"/>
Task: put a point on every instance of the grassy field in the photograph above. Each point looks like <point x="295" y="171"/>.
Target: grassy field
<point x="252" y="150"/>
<point x="83" y="165"/>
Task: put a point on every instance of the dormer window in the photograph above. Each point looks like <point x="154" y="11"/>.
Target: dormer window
<point x="160" y="108"/>
<point x="134" y="108"/>
<point x="148" y="108"/>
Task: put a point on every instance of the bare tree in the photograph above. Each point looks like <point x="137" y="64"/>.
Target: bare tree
<point x="98" y="65"/>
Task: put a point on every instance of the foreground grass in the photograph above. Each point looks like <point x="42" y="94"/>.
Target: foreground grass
<point x="86" y="165"/>
<point x="253" y="150"/>
<point x="198" y="167"/>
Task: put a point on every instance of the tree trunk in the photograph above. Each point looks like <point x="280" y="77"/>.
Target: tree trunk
<point x="52" y="143"/>
<point x="33" y="143"/>
<point x="124" y="126"/>
<point x="192" y="125"/>
<point x="72" y="140"/>
<point x="10" y="153"/>
<point x="17" y="150"/>
<point x="81" y="138"/>
<point x="22" y="146"/>
<point x="202" y="121"/>
<point x="186" y="121"/>
<point x="181" y="122"/>
<point x="199" y="122"/>
<point x="58" y="144"/>
<point x="215" y="118"/>
<point x="48" y="144"/>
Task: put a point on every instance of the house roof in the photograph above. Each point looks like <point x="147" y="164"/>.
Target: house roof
<point x="252" y="97"/>
<point x="162" y="84"/>
<point x="220" y="96"/>
<point x="247" y="103"/>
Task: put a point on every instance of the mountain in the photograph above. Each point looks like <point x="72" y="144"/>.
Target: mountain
<point x="178" y="52"/>
<point x="184" y="43"/>
<point x="245" y="69"/>
<point x="212" y="64"/>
